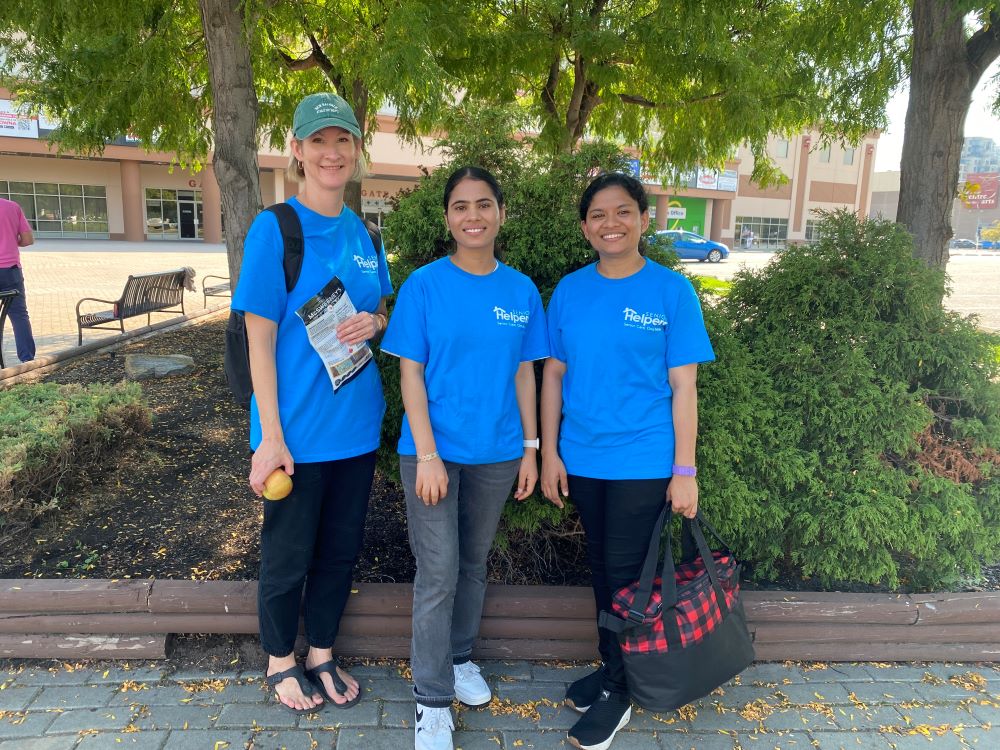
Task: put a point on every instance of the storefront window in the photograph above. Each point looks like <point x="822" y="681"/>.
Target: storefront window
<point x="812" y="230"/>
<point x="173" y="214"/>
<point x="767" y="232"/>
<point x="61" y="210"/>
<point x="95" y="211"/>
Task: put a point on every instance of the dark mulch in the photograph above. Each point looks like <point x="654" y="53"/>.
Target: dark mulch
<point x="178" y="506"/>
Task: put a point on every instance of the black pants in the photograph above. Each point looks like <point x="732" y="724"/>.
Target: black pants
<point x="618" y="517"/>
<point x="314" y="537"/>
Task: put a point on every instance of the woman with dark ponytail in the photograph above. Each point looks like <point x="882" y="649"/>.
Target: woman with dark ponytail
<point x="619" y="416"/>
<point x="466" y="329"/>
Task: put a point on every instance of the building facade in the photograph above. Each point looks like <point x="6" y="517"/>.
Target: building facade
<point x="127" y="193"/>
<point x="966" y="222"/>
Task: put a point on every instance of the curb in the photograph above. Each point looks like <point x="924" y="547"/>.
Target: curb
<point x="43" y="365"/>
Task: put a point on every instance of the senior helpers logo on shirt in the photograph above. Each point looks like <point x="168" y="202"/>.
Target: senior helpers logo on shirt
<point x="647" y="321"/>
<point x="367" y="265"/>
<point x="512" y="318"/>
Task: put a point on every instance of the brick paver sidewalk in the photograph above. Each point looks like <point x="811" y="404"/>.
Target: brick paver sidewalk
<point x="771" y="706"/>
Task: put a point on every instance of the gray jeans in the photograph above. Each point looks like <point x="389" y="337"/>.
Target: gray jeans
<point x="450" y="542"/>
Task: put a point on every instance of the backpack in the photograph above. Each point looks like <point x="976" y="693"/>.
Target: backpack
<point x="236" y="361"/>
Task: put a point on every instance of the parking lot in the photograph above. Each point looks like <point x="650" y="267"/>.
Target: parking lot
<point x="975" y="279"/>
<point x="60" y="272"/>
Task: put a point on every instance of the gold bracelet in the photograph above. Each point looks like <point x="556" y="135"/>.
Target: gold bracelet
<point x="427" y="457"/>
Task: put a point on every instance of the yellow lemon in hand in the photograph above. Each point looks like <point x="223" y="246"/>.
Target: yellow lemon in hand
<point x="277" y="485"/>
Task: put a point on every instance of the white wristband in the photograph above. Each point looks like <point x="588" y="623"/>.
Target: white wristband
<point x="532" y="443"/>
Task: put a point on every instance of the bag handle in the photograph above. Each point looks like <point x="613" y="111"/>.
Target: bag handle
<point x="642" y="595"/>
<point x="668" y="581"/>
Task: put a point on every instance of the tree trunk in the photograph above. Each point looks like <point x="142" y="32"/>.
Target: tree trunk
<point x="359" y="104"/>
<point x="941" y="85"/>
<point x="234" y="121"/>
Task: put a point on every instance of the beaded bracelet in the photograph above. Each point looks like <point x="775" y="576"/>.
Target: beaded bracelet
<point x="427" y="457"/>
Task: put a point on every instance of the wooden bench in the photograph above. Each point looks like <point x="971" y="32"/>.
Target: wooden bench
<point x="223" y="289"/>
<point x="144" y="293"/>
<point x="5" y="300"/>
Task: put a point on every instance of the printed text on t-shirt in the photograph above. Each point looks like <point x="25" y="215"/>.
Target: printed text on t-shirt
<point x="514" y="318"/>
<point x="367" y="265"/>
<point x="647" y="320"/>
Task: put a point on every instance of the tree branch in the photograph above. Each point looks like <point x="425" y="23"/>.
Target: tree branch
<point x="644" y="102"/>
<point x="549" y="89"/>
<point x="320" y="56"/>
<point x="983" y="47"/>
<point x="640" y="100"/>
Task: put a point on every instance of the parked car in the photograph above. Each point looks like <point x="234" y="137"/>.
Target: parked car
<point x="691" y="246"/>
<point x="962" y="243"/>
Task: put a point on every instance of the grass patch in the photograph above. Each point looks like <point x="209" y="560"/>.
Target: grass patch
<point x="52" y="435"/>
<point x="712" y="285"/>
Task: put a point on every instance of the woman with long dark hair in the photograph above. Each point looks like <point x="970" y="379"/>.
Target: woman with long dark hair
<point x="466" y="329"/>
<point x="619" y="416"/>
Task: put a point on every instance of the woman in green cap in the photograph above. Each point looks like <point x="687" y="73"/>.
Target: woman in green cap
<point x="317" y="407"/>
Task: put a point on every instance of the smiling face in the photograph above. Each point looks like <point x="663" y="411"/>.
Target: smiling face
<point x="614" y="224"/>
<point x="473" y="215"/>
<point x="328" y="156"/>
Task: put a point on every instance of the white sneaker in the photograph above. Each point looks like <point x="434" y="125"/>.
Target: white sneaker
<point x="433" y="728"/>
<point x="470" y="687"/>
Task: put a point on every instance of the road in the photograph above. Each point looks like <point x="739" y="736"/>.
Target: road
<point x="975" y="280"/>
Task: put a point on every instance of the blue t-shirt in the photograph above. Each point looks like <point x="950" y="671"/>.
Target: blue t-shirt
<point x="319" y="425"/>
<point x="618" y="338"/>
<point x="471" y="333"/>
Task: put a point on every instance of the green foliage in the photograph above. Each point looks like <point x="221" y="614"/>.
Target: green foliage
<point x="685" y="82"/>
<point x="52" y="434"/>
<point x="848" y="390"/>
<point x="850" y="426"/>
<point x="541" y="238"/>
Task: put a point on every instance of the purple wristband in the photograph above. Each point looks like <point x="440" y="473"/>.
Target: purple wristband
<point x="684" y="471"/>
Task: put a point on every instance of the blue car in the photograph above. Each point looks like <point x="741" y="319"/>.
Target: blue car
<point x="691" y="246"/>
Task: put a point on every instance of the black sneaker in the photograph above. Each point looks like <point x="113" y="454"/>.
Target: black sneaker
<point x="597" y="728"/>
<point x="584" y="691"/>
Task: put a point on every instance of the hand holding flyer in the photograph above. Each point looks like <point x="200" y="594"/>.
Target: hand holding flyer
<point x="321" y="315"/>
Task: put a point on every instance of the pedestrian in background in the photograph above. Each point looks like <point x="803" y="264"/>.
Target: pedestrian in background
<point x="15" y="233"/>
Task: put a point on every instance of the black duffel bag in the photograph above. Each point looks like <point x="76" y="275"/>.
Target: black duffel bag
<point x="684" y="633"/>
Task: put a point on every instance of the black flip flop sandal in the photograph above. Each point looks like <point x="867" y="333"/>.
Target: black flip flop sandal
<point x="305" y="685"/>
<point x="330" y="667"/>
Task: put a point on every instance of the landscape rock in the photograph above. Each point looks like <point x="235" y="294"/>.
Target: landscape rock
<point x="145" y="366"/>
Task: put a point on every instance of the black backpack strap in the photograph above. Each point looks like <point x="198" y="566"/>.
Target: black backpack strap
<point x="376" y="235"/>
<point x="291" y="234"/>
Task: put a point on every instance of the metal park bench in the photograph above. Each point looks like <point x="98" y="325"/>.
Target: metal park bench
<point x="5" y="300"/>
<point x="144" y="293"/>
<point x="223" y="289"/>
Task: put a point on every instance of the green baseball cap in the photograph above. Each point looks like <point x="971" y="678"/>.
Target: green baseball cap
<point x="323" y="110"/>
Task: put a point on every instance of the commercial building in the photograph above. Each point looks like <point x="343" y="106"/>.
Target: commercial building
<point x="966" y="220"/>
<point x="127" y="193"/>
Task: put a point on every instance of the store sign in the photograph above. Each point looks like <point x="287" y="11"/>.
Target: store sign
<point x="677" y="212"/>
<point x="980" y="190"/>
<point x="729" y="180"/>
<point x="708" y="180"/>
<point x="702" y="179"/>
<point x="14" y="124"/>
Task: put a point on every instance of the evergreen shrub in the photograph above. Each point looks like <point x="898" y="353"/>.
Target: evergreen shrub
<point x="867" y="449"/>
<point x="850" y="426"/>
<point x="52" y="435"/>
